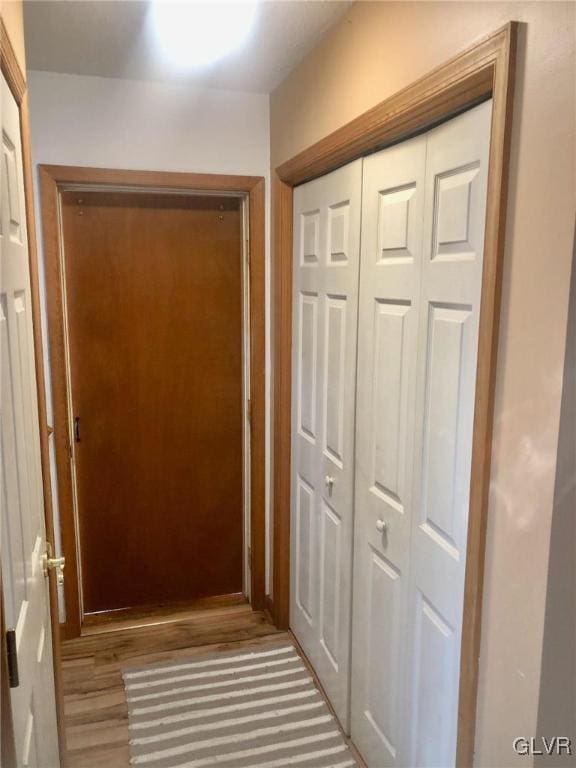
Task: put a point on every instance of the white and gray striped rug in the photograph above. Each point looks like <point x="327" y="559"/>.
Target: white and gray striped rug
<point x="251" y="708"/>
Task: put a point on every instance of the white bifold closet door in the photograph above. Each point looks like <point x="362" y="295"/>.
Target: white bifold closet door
<point x="424" y="204"/>
<point x="393" y="208"/>
<point x="325" y="290"/>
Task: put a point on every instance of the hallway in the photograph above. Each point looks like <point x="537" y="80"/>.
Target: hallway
<point x="285" y="372"/>
<point x="95" y="705"/>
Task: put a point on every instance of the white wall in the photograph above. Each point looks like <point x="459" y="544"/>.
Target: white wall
<point x="128" y="124"/>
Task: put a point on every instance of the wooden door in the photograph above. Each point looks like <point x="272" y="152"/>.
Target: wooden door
<point x="326" y="260"/>
<point x="390" y="276"/>
<point x="22" y="529"/>
<point x="153" y="286"/>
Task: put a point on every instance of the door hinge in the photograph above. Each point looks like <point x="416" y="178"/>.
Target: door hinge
<point x="249" y="411"/>
<point x="250" y="558"/>
<point x="12" y="658"/>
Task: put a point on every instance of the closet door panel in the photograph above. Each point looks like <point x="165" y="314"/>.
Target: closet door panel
<point x="454" y="218"/>
<point x="303" y="523"/>
<point x="392" y="220"/>
<point x="307" y="361"/>
<point x="326" y="264"/>
<point x="305" y="418"/>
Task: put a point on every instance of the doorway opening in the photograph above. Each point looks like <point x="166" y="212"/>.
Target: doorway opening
<point x="155" y="314"/>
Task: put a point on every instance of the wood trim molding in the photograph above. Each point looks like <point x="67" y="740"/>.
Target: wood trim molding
<point x="173" y="180"/>
<point x="485" y="70"/>
<point x="463" y="81"/>
<point x="504" y="75"/>
<point x="50" y="225"/>
<point x="282" y="377"/>
<point x="257" y="246"/>
<point x="10" y="68"/>
<point x="52" y="180"/>
<point x="17" y="83"/>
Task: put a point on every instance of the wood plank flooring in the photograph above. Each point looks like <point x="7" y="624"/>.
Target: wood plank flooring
<point x="96" y="714"/>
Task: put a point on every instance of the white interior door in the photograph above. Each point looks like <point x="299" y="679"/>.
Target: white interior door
<point x="424" y="204"/>
<point x="391" y="266"/>
<point x="452" y="259"/>
<point x="325" y="290"/>
<point x="22" y="532"/>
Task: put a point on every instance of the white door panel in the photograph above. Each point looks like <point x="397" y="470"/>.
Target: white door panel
<point x="326" y="263"/>
<point x="423" y="211"/>
<point x="22" y="533"/>
<point x="403" y="485"/>
<point x="392" y="211"/>
<point x="454" y="219"/>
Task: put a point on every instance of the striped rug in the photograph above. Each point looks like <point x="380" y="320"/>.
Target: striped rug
<point x="251" y="708"/>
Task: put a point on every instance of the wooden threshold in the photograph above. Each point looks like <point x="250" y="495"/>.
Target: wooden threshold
<point x="126" y="618"/>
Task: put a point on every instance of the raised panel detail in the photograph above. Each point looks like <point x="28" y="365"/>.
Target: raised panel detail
<point x="452" y="198"/>
<point x="335" y="372"/>
<point x="338" y="223"/>
<point x="23" y="332"/>
<point x="445" y="361"/>
<point x="30" y="746"/>
<point x="41" y="645"/>
<point x="331" y="533"/>
<point x="304" y="539"/>
<point x="436" y="681"/>
<point x="388" y="383"/>
<point x="383" y="638"/>
<point x="310" y="245"/>
<point x="393" y="218"/>
<point x="308" y="344"/>
<point x="10" y="187"/>
<point x="14" y="536"/>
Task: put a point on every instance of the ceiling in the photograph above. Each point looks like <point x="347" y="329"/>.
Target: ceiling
<point x="113" y="38"/>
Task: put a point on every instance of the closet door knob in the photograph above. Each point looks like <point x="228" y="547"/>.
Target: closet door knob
<point x="381" y="525"/>
<point x="329" y="484"/>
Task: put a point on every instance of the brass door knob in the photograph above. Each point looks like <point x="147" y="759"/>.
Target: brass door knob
<point x="54" y="564"/>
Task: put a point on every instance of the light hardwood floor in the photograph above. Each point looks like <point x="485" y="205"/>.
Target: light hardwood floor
<point x="96" y="713"/>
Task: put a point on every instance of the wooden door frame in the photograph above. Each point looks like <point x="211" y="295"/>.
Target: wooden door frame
<point x="486" y="70"/>
<point x="53" y="180"/>
<point x="17" y="83"/>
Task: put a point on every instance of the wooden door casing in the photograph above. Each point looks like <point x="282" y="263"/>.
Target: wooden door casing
<point x="153" y="297"/>
<point x="54" y="180"/>
<point x="486" y="69"/>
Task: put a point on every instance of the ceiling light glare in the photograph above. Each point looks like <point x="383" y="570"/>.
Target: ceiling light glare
<point x="195" y="34"/>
